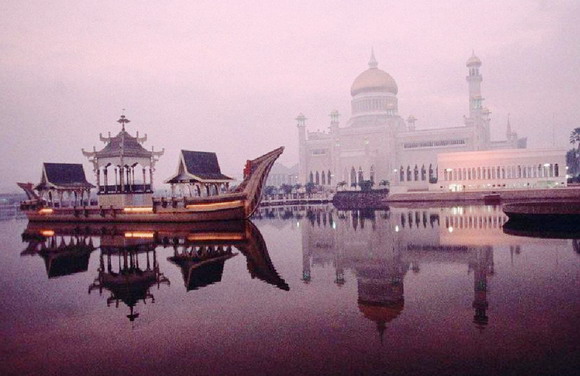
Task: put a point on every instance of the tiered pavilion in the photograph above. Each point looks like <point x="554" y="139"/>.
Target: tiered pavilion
<point x="124" y="169"/>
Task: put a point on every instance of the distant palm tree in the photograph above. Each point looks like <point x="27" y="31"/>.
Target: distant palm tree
<point x="575" y="138"/>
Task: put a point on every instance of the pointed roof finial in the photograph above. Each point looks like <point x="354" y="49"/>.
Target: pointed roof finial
<point x="509" y="126"/>
<point x="373" y="62"/>
<point x="123" y="120"/>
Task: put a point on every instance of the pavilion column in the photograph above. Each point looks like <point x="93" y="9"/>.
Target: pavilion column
<point x="122" y="178"/>
<point x="116" y="179"/>
<point x="128" y="177"/>
<point x="105" y="172"/>
<point x="151" y="177"/>
<point x="98" y="179"/>
<point x="172" y="186"/>
<point x="144" y="180"/>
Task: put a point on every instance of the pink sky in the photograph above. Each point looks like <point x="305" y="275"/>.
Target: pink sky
<point x="230" y="77"/>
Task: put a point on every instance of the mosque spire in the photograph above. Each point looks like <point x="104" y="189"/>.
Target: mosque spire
<point x="373" y="62"/>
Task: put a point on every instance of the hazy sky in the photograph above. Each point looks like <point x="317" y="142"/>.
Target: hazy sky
<point x="231" y="76"/>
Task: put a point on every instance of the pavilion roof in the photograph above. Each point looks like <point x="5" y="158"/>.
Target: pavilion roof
<point x="64" y="176"/>
<point x="198" y="165"/>
<point x="129" y="145"/>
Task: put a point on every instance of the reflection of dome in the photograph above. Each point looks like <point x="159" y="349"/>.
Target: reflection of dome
<point x="473" y="60"/>
<point x="373" y="80"/>
<point x="381" y="312"/>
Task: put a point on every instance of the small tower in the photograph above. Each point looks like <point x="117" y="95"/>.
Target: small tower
<point x="510" y="135"/>
<point x="411" y="122"/>
<point x="301" y="125"/>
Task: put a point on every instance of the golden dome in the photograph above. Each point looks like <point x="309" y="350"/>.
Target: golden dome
<point x="374" y="80"/>
<point x="473" y="60"/>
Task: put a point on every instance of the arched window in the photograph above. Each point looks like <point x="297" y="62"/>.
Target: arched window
<point x="556" y="170"/>
<point x="352" y="176"/>
<point x="311" y="177"/>
<point x="423" y="173"/>
<point x="372" y="174"/>
<point x="323" y="178"/>
<point x="416" y="173"/>
<point x="360" y="174"/>
<point x="430" y="171"/>
<point x="328" y="178"/>
<point x="317" y="178"/>
<point x="402" y="174"/>
<point x="408" y="173"/>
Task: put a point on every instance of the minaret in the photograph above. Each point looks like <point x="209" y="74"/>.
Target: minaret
<point x="474" y="79"/>
<point x="478" y="115"/>
<point x="301" y="124"/>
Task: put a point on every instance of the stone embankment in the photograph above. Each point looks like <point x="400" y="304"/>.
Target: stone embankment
<point x="296" y="199"/>
<point x="569" y="193"/>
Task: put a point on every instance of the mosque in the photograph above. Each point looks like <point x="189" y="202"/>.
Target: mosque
<point x="377" y="144"/>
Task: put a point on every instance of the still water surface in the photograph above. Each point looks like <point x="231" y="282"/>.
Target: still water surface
<point x="308" y="292"/>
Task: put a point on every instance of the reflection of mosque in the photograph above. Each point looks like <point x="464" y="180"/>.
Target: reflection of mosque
<point x="128" y="262"/>
<point x="380" y="247"/>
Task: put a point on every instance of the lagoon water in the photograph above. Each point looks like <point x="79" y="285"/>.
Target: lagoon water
<point x="315" y="291"/>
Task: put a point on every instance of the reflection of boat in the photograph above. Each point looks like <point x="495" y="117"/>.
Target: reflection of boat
<point x="128" y="266"/>
<point x="62" y="255"/>
<point x="545" y="213"/>
<point x="549" y="230"/>
<point x="235" y="205"/>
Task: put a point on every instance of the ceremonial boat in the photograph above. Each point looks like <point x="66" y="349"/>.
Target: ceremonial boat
<point x="63" y="194"/>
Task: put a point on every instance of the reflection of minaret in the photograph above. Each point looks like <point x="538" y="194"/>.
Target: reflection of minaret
<point x="482" y="266"/>
<point x="306" y="273"/>
<point x="125" y="277"/>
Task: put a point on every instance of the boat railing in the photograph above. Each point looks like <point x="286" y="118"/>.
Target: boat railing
<point x="127" y="188"/>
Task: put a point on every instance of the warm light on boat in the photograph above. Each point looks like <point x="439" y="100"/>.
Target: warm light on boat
<point x="450" y="229"/>
<point x="138" y="210"/>
<point x="47" y="233"/>
<point x="45" y="211"/>
<point x="140" y="235"/>
<point x="546" y="165"/>
<point x="213" y="236"/>
<point x="214" y="205"/>
<point x="396" y="228"/>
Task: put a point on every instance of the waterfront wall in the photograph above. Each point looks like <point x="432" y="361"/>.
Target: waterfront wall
<point x="571" y="193"/>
